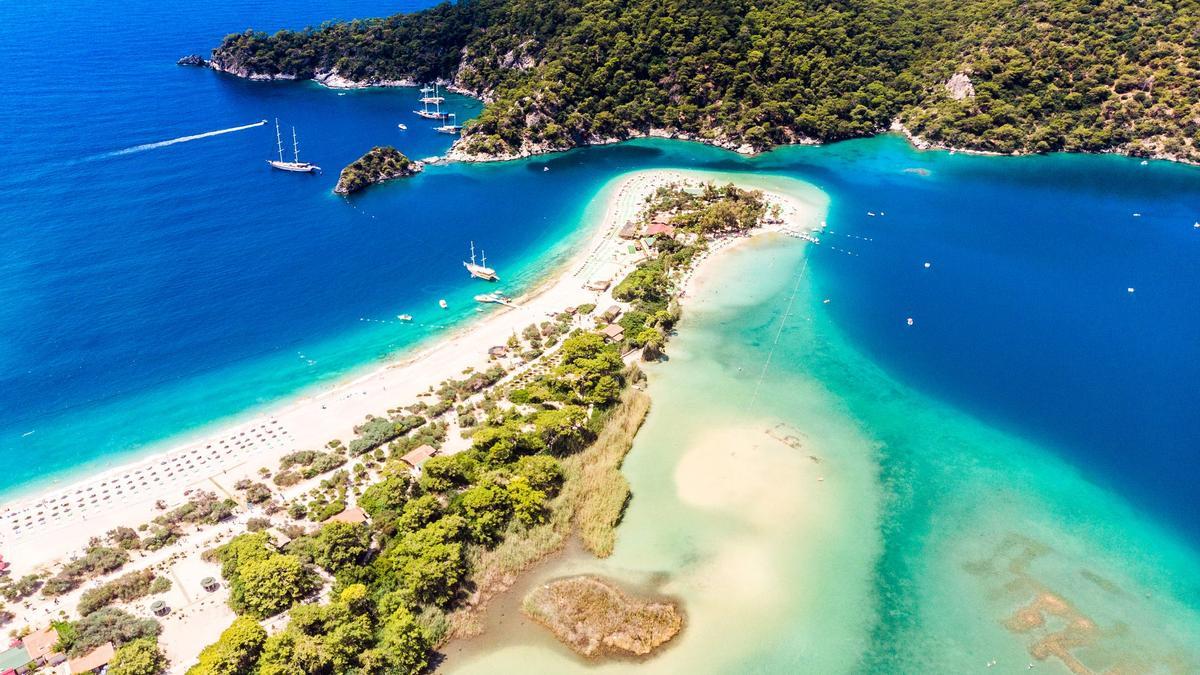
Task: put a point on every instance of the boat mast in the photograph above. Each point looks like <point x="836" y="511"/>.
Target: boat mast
<point x="472" y="253"/>
<point x="278" y="139"/>
<point x="485" y="258"/>
<point x="295" y="145"/>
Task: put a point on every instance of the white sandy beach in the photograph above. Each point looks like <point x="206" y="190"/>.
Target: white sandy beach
<point x="54" y="525"/>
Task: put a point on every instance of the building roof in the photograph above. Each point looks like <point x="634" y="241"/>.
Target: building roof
<point x="40" y="643"/>
<point x="660" y="228"/>
<point x="613" y="332"/>
<point x="14" y="658"/>
<point x="100" y="656"/>
<point x="630" y="231"/>
<point x="613" y="312"/>
<point x="352" y="515"/>
<point x="416" y="457"/>
<point x="498" y="350"/>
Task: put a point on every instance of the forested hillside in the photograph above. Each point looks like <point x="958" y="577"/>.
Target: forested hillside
<point x="1034" y="76"/>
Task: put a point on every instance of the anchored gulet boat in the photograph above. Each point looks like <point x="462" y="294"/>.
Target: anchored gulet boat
<point x="294" y="165"/>
<point x="480" y="271"/>
<point x="450" y="127"/>
<point x="436" y="113"/>
<point x="436" y="98"/>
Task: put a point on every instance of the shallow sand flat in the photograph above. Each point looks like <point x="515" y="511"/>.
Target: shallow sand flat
<point x="745" y="473"/>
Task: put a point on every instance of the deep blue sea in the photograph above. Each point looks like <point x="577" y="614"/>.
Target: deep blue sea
<point x="146" y="294"/>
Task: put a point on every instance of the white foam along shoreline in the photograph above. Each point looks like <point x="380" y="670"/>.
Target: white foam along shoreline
<point x="57" y="521"/>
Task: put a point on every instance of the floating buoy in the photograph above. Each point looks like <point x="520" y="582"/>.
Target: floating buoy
<point x="927" y="265"/>
<point x="910" y="321"/>
<point x="1137" y="215"/>
<point x="1130" y="289"/>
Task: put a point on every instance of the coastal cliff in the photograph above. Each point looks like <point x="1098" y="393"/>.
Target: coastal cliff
<point x="983" y="75"/>
<point x="594" y="617"/>
<point x="381" y="163"/>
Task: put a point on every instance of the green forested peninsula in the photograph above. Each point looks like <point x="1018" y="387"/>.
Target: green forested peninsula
<point x="994" y="75"/>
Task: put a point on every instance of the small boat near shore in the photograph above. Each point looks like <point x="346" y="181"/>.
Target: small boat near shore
<point x="442" y="304"/>
<point x="496" y="298"/>
<point x="402" y="127"/>
<point x="404" y="317"/>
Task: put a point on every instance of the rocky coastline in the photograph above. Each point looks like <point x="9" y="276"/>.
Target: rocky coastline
<point x="459" y="153"/>
<point x="193" y="60"/>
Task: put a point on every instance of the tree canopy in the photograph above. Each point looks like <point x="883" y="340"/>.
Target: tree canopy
<point x="1045" y="74"/>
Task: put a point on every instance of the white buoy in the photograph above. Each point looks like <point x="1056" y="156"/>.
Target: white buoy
<point x="1130" y="289"/>
<point x="910" y="321"/>
<point x="927" y="265"/>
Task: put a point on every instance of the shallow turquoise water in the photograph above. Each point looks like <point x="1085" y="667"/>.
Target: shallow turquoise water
<point x="900" y="535"/>
<point x="1035" y="407"/>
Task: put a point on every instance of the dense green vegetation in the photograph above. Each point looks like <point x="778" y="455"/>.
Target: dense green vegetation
<point x="1048" y="75"/>
<point x="379" y="164"/>
<point x="395" y="578"/>
<point x="140" y="657"/>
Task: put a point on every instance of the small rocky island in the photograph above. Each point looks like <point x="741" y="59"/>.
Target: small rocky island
<point x="192" y="60"/>
<point x="596" y="618"/>
<point x="380" y="164"/>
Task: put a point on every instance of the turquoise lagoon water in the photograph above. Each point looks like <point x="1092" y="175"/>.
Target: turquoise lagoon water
<point x="892" y="533"/>
<point x="1035" y="407"/>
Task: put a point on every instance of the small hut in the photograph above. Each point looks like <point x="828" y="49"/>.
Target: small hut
<point x="209" y="584"/>
<point x="92" y="661"/>
<point x="415" y="458"/>
<point x="613" y="333"/>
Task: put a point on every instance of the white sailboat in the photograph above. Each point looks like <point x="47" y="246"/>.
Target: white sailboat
<point x="436" y="113"/>
<point x="295" y="165"/>
<point x="450" y="127"/>
<point x="480" y="271"/>
<point x="436" y="98"/>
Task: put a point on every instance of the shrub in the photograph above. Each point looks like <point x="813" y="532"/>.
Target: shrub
<point x="286" y="478"/>
<point x="124" y="589"/>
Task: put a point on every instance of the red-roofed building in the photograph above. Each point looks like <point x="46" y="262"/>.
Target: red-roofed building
<point x="657" y="228"/>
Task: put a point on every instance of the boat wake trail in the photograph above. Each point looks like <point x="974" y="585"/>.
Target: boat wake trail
<point x="181" y="139"/>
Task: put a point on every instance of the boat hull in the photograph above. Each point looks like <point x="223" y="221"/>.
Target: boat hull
<point x="294" y="167"/>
